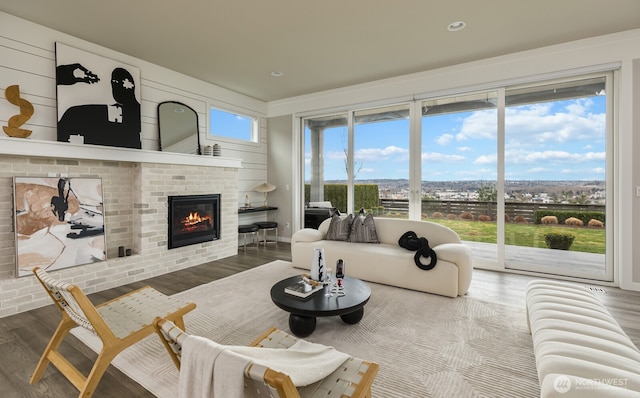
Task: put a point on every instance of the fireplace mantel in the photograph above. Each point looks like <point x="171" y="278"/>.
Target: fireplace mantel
<point x="64" y="150"/>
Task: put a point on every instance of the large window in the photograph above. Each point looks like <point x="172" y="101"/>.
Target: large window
<point x="231" y="125"/>
<point x="381" y="160"/>
<point x="491" y="165"/>
<point x="459" y="167"/>
<point x="359" y="160"/>
<point x="556" y="176"/>
<point x="326" y="150"/>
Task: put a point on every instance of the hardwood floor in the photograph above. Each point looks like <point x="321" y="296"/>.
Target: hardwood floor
<point x="24" y="336"/>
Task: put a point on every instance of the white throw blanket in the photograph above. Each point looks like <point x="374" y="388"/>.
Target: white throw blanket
<point x="209" y="369"/>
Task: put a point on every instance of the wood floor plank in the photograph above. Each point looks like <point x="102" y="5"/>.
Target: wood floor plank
<point x="24" y="336"/>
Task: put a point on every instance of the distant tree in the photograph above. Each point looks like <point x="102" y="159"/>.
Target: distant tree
<point x="357" y="164"/>
<point x="516" y="196"/>
<point x="428" y="196"/>
<point x="487" y="193"/>
<point x="567" y="196"/>
<point x="581" y="199"/>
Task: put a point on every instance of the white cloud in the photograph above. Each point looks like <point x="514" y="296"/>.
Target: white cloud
<point x="539" y="124"/>
<point x="464" y="149"/>
<point x="596" y="172"/>
<point x="444" y="139"/>
<point x="602" y="156"/>
<point x="520" y="156"/>
<point x="375" y="154"/>
<point x="486" y="159"/>
<point x="335" y="155"/>
<point x="442" y="157"/>
<point x="480" y="125"/>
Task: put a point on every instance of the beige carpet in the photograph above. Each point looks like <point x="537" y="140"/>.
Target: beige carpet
<point x="426" y="345"/>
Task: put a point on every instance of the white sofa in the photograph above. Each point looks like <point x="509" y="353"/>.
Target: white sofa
<point x="388" y="263"/>
<point x="581" y="351"/>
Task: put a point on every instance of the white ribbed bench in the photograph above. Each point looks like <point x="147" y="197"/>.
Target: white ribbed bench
<point x="580" y="350"/>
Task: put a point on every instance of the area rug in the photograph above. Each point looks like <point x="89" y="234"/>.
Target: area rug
<point x="426" y="345"/>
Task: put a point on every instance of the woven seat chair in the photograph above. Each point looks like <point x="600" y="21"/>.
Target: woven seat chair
<point x="119" y="323"/>
<point x="352" y="379"/>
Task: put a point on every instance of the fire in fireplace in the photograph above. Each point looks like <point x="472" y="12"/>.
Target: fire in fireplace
<point x="193" y="219"/>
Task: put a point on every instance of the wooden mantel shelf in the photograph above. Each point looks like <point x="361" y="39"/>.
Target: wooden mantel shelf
<point x="64" y="150"/>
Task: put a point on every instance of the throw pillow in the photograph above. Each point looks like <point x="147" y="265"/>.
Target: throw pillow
<point x="363" y="230"/>
<point x="339" y="228"/>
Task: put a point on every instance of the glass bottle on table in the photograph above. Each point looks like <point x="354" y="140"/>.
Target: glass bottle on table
<point x="339" y="287"/>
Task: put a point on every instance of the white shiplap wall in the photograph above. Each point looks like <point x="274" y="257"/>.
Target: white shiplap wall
<point x="27" y="58"/>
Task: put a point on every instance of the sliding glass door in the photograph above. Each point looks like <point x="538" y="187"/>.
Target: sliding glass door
<point x="359" y="161"/>
<point x="512" y="170"/>
<point x="556" y="178"/>
<point x="459" y="168"/>
<point x="381" y="161"/>
<point x="325" y="161"/>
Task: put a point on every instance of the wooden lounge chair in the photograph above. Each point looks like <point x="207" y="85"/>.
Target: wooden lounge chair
<point x="119" y="323"/>
<point x="352" y="379"/>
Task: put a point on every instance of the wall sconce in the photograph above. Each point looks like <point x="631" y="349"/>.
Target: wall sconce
<point x="265" y="187"/>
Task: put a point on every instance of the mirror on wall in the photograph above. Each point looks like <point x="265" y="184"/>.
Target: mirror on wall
<point x="178" y="128"/>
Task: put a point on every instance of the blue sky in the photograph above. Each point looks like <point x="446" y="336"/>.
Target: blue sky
<point x="229" y="125"/>
<point x="562" y="140"/>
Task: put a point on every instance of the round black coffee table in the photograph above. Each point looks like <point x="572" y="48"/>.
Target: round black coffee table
<point x="303" y="311"/>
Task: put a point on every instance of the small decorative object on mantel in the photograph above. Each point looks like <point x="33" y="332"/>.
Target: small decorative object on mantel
<point x="12" y="94"/>
<point x="76" y="139"/>
<point x="216" y="150"/>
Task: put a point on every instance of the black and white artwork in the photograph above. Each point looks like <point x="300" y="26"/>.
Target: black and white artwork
<point x="98" y="99"/>
<point x="59" y="222"/>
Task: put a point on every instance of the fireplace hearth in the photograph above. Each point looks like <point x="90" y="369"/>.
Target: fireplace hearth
<point x="193" y="219"/>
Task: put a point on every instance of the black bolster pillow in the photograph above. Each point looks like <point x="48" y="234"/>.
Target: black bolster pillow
<point x="410" y="241"/>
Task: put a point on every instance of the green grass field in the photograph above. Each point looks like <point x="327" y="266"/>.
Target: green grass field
<point x="587" y="240"/>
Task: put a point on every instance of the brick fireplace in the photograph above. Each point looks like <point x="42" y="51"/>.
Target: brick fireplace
<point x="136" y="186"/>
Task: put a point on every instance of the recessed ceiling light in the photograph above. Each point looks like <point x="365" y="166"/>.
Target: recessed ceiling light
<point x="277" y="73"/>
<point x="456" y="26"/>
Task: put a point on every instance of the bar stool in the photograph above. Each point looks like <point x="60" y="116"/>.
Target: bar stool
<point x="252" y="230"/>
<point x="265" y="226"/>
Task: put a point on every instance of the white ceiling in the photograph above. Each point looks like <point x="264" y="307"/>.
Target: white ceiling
<point x="321" y="44"/>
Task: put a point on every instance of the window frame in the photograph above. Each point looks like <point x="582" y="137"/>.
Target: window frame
<point x="255" y="126"/>
<point x="501" y="88"/>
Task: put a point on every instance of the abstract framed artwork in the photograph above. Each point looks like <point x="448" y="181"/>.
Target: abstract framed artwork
<point x="59" y="222"/>
<point x="98" y="98"/>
